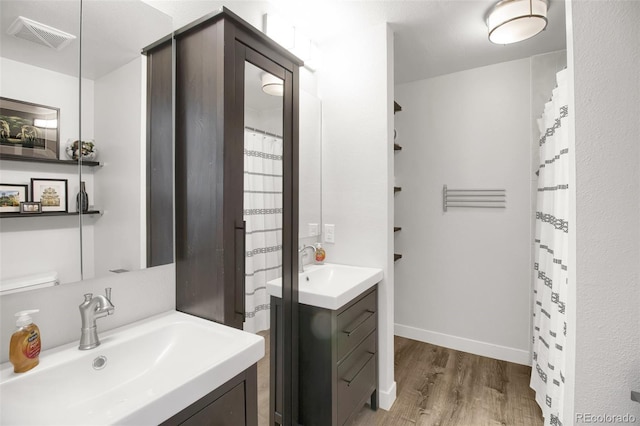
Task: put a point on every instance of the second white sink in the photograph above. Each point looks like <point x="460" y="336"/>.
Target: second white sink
<point x="330" y="285"/>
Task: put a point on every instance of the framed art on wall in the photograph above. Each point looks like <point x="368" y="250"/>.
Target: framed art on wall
<point x="29" y="130"/>
<point x="52" y="193"/>
<point x="11" y="195"/>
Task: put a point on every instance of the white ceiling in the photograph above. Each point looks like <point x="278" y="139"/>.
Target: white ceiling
<point x="432" y="37"/>
<point x="114" y="31"/>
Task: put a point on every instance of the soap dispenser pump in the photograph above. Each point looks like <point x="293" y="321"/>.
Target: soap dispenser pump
<point x="24" y="349"/>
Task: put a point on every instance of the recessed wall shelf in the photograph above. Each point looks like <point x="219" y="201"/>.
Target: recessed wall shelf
<point x="46" y="214"/>
<point x="396" y="189"/>
<point x="11" y="157"/>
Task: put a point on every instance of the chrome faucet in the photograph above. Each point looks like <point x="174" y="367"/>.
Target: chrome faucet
<point x="90" y="310"/>
<point x="301" y="254"/>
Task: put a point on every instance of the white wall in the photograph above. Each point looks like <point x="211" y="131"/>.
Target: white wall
<point x="118" y="190"/>
<point x="310" y="168"/>
<point x="357" y="168"/>
<point x="465" y="277"/>
<point x="32" y="245"/>
<point x="136" y="295"/>
<point x="603" y="46"/>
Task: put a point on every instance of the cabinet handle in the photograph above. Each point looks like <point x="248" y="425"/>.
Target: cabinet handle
<point x="364" y="364"/>
<point x="240" y="268"/>
<point x="359" y="321"/>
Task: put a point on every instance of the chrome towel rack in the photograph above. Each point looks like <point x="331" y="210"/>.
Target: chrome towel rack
<point x="474" y="198"/>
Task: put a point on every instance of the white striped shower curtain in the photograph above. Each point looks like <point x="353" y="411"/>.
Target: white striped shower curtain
<point x="551" y="279"/>
<point x="263" y="216"/>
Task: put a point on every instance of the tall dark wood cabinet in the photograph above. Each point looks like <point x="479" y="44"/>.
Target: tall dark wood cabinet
<point x="208" y="70"/>
<point x="209" y="267"/>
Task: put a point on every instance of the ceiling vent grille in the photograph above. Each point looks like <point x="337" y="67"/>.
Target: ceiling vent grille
<point x="36" y="32"/>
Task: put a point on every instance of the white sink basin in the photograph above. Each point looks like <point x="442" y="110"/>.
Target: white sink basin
<point x="330" y="286"/>
<point x="154" y="368"/>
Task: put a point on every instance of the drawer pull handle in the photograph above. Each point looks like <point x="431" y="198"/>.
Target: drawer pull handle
<point x="358" y="322"/>
<point x="364" y="364"/>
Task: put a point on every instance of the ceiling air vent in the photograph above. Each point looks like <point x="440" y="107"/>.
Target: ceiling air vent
<point x="39" y="33"/>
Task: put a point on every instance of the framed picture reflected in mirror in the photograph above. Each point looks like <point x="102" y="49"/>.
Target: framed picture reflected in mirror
<point x="11" y="195"/>
<point x="29" y="130"/>
<point x="51" y="193"/>
<point x="30" y="207"/>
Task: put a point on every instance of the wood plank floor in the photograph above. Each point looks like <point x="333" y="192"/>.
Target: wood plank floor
<point x="443" y="387"/>
<point x="440" y="386"/>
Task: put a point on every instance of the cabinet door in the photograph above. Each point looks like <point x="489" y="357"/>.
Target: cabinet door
<point x="228" y="410"/>
<point x="235" y="403"/>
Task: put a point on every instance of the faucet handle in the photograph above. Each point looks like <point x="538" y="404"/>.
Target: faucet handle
<point x="88" y="297"/>
<point x="107" y="292"/>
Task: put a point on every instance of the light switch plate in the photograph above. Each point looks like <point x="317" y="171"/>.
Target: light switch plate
<point x="329" y="233"/>
<point x="313" y="229"/>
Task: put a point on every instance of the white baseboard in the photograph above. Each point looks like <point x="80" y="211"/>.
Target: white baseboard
<point x="387" y="398"/>
<point x="476" y="347"/>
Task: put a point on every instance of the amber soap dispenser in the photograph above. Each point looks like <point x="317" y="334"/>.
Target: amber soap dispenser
<point x="24" y="349"/>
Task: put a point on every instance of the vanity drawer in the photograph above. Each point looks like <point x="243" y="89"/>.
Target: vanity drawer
<point x="356" y="323"/>
<point x="357" y="378"/>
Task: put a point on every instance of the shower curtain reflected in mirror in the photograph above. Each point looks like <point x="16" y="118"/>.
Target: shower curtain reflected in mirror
<point x="263" y="217"/>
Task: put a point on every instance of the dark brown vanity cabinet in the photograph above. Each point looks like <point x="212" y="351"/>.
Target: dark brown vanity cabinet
<point x="338" y="364"/>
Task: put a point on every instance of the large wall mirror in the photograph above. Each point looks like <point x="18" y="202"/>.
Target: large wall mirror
<point x="107" y="110"/>
<point x="82" y="59"/>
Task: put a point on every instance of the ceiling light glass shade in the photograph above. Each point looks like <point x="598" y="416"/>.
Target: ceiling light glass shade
<point x="511" y="21"/>
<point x="272" y="85"/>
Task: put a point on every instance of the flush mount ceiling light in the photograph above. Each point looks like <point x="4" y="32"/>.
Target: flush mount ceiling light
<point x="511" y="21"/>
<point x="272" y="85"/>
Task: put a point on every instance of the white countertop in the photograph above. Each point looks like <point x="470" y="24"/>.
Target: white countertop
<point x="330" y="286"/>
